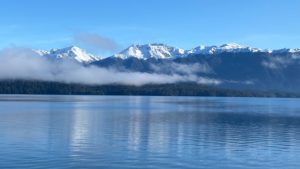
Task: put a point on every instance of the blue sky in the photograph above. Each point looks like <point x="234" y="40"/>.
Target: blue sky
<point x="49" y="24"/>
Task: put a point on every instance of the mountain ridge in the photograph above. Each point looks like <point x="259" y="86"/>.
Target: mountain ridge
<point x="230" y="65"/>
<point x="158" y="51"/>
<point x="72" y="53"/>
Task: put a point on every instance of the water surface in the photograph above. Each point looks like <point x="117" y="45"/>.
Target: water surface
<point x="148" y="132"/>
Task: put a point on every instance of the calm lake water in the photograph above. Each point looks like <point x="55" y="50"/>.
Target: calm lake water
<point x="149" y="132"/>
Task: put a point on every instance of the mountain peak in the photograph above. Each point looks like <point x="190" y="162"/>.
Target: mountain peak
<point x="69" y="53"/>
<point x="232" y="46"/>
<point x="155" y="50"/>
<point x="286" y="50"/>
<point x="73" y="47"/>
<point x="229" y="47"/>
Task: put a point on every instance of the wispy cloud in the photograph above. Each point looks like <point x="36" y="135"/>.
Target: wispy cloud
<point x="96" y="41"/>
<point x="23" y="63"/>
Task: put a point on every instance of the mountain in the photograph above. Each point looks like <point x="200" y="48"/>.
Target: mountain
<point x="161" y="51"/>
<point x="235" y="66"/>
<point x="72" y="53"/>
<point x="286" y="50"/>
<point x="232" y="65"/>
<point x="157" y="51"/>
<point x="231" y="48"/>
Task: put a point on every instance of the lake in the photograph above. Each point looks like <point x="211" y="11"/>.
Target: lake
<point x="148" y="132"/>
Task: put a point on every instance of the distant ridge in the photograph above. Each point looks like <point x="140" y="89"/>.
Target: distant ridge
<point x="158" y="51"/>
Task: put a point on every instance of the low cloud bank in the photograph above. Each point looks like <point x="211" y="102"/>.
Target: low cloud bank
<point x="25" y="64"/>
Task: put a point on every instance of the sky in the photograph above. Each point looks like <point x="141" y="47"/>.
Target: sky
<point x="46" y="24"/>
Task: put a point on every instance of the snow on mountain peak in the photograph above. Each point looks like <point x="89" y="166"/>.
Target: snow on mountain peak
<point x="41" y="52"/>
<point x="69" y="53"/>
<point x="157" y="51"/>
<point x="230" y="47"/>
<point x="286" y="50"/>
<point x="296" y="50"/>
<point x="161" y="51"/>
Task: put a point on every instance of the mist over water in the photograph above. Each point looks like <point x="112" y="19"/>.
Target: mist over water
<point x="25" y="64"/>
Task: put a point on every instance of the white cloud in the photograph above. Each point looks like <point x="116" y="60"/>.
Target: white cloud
<point x="22" y="63"/>
<point x="96" y="41"/>
<point x="280" y="62"/>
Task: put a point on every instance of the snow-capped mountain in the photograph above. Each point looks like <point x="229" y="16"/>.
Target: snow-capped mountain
<point x="231" y="48"/>
<point x="157" y="51"/>
<point x="233" y="65"/>
<point x="70" y="53"/>
<point x="287" y="50"/>
<point x="161" y="51"/>
<point x="236" y="66"/>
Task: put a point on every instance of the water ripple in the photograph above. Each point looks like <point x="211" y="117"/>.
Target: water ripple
<point x="148" y="132"/>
